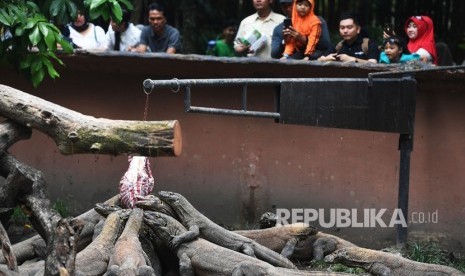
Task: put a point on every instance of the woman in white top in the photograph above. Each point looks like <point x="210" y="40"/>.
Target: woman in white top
<point x="86" y="35"/>
<point x="123" y="36"/>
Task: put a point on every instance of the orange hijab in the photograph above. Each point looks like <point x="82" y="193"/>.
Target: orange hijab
<point x="309" y="26"/>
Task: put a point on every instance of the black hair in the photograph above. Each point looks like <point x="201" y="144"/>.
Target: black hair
<point x="230" y="23"/>
<point x="157" y="6"/>
<point x="126" y="18"/>
<point x="397" y="40"/>
<point x="348" y="15"/>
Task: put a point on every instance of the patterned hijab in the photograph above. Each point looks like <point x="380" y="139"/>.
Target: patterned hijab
<point x="425" y="37"/>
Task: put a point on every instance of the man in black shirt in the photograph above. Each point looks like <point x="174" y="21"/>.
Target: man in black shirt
<point x="353" y="47"/>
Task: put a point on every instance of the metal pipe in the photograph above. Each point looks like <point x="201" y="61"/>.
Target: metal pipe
<point x="244" y="98"/>
<point x="176" y="84"/>
<point x="232" y="112"/>
<point x="405" y="147"/>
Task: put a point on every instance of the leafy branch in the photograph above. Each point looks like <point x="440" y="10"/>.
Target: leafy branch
<point x="30" y="35"/>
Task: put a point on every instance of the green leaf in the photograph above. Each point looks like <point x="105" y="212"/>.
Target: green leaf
<point x="32" y="6"/>
<point x="94" y="4"/>
<point x="55" y="7"/>
<point x="100" y="11"/>
<point x="50" y="39"/>
<point x="52" y="55"/>
<point x="18" y="13"/>
<point x="35" y="36"/>
<point x="38" y="77"/>
<point x="31" y="23"/>
<point x="72" y="9"/>
<point x="127" y="4"/>
<point x="25" y="63"/>
<point x="36" y="64"/>
<point x="117" y="12"/>
<point x="51" y="71"/>
<point x="5" y="18"/>
<point x="67" y="47"/>
<point x="19" y="30"/>
<point x="43" y="28"/>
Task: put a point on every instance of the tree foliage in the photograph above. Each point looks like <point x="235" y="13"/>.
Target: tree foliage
<point x="30" y="36"/>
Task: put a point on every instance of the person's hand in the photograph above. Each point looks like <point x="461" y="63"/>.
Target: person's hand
<point x="345" y="58"/>
<point x="291" y="33"/>
<point x="386" y="36"/>
<point x="330" y="57"/>
<point x="242" y="48"/>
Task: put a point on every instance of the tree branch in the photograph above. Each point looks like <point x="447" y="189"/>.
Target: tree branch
<point x="76" y="133"/>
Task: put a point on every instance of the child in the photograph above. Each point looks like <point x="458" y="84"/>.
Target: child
<point x="304" y="23"/>
<point x="394" y="51"/>
<point x="224" y="47"/>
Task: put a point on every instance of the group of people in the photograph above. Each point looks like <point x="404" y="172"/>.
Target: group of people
<point x="158" y="36"/>
<point x="298" y="33"/>
<point x="301" y="34"/>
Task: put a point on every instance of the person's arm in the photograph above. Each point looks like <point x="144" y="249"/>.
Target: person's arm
<point x="239" y="47"/>
<point x="174" y="42"/>
<point x="425" y="56"/>
<point x="330" y="55"/>
<point x="373" y="52"/>
<point x="101" y="38"/>
<point x="312" y="40"/>
<point x="141" y="48"/>
<point x="110" y="36"/>
<point x="292" y="34"/>
<point x="143" y="41"/>
<point x="277" y="47"/>
<point x="171" y="50"/>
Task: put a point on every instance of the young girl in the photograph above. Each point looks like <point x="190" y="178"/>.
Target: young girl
<point x="304" y="23"/>
<point x="394" y="51"/>
<point x="420" y="31"/>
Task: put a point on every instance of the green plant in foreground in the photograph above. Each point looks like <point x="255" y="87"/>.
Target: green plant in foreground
<point x="61" y="207"/>
<point x="18" y="217"/>
<point x="430" y="252"/>
<point x="322" y="265"/>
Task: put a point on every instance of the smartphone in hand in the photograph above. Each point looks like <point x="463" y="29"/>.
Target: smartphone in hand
<point x="287" y="23"/>
<point x="389" y="29"/>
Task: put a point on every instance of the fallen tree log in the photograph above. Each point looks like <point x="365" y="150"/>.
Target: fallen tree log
<point x="8" y="254"/>
<point x="27" y="249"/>
<point x="76" y="133"/>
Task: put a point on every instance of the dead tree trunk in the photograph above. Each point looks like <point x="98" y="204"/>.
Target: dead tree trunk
<point x="75" y="133"/>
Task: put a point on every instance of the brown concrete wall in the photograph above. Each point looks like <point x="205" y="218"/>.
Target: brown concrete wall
<point x="234" y="169"/>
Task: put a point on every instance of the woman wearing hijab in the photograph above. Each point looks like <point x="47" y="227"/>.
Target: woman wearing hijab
<point x="304" y="23"/>
<point x="86" y="35"/>
<point x="420" y="30"/>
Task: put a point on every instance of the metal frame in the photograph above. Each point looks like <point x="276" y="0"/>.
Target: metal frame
<point x="405" y="139"/>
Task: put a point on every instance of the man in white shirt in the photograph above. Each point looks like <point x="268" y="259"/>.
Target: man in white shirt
<point x="263" y="21"/>
<point x="123" y="36"/>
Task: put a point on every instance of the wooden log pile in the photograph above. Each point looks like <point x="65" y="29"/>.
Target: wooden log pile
<point x="154" y="238"/>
